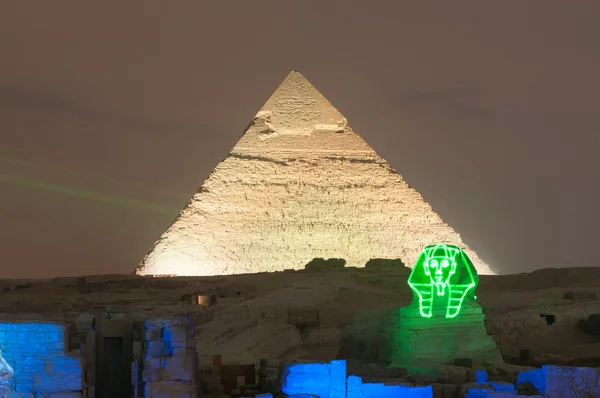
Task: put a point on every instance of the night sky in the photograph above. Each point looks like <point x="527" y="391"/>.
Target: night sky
<point x="113" y="113"/>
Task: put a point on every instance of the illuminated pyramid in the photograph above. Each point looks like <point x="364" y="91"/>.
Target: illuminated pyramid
<point x="300" y="184"/>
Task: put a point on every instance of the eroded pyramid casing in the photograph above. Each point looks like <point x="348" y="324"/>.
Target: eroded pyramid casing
<point x="299" y="184"/>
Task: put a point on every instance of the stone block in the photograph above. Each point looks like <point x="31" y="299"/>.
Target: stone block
<point x="84" y="323"/>
<point x="153" y="334"/>
<point x="59" y="374"/>
<point x="14" y="394"/>
<point x="23" y="380"/>
<point x="526" y="388"/>
<point x="153" y="363"/>
<point x="155" y="348"/>
<point x="558" y="378"/>
<point x="444" y="390"/>
<point x="137" y="350"/>
<point x="90" y="342"/>
<point x="481" y="376"/>
<point x="178" y="368"/>
<point x="354" y="384"/>
<point x="152" y="375"/>
<point x="170" y="390"/>
<point x="569" y="394"/>
<point x="154" y="324"/>
<point x="338" y="379"/>
<point x="175" y="337"/>
<point x="313" y="378"/>
<point x="184" y="352"/>
<point x="585" y="379"/>
<point x="471" y="390"/>
<point x="380" y="390"/>
<point x="504" y="387"/>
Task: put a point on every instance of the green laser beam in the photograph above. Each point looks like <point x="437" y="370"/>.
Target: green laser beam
<point x="59" y="170"/>
<point x="85" y="194"/>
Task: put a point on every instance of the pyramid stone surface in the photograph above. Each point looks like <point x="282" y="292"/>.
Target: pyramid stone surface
<point x="299" y="184"/>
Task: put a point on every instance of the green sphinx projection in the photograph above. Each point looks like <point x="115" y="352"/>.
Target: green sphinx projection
<point x="441" y="279"/>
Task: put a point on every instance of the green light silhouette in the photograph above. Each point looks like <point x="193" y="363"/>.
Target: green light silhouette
<point x="442" y="277"/>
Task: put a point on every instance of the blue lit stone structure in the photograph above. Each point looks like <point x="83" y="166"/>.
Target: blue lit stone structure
<point x="37" y="352"/>
<point x="169" y="358"/>
<point x="328" y="380"/>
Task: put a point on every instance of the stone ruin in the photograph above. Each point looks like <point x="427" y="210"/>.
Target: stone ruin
<point x="157" y="341"/>
<point x="330" y="380"/>
<point x="65" y="344"/>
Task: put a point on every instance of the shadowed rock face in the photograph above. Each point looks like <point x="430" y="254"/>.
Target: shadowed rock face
<point x="6" y="372"/>
<point x="300" y="184"/>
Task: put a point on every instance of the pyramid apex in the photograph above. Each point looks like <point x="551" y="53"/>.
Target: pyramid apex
<point x="297" y="107"/>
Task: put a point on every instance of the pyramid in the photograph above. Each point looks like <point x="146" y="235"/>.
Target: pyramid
<point x="299" y="184"/>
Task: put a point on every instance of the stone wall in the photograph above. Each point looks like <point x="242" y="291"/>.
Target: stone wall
<point x="37" y="352"/>
<point x="563" y="381"/>
<point x="169" y="359"/>
<point x="328" y="380"/>
<point x="542" y="330"/>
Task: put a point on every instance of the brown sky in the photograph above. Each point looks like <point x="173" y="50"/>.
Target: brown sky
<point x="112" y="114"/>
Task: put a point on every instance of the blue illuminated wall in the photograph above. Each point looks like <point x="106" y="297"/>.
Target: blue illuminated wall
<point x="328" y="380"/>
<point x="549" y="381"/>
<point x="358" y="389"/>
<point x="37" y="353"/>
<point x="562" y="379"/>
<point x="169" y="358"/>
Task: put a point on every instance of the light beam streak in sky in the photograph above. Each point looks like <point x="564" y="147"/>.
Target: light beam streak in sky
<point x="86" y="194"/>
<point x="61" y="171"/>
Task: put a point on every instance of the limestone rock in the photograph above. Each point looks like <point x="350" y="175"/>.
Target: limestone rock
<point x="300" y="184"/>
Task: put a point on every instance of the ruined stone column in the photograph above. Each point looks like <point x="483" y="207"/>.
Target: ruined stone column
<point x="6" y="372"/>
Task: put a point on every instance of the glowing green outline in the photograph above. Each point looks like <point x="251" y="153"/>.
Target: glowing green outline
<point x="460" y="280"/>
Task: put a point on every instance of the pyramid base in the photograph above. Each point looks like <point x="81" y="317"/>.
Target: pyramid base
<point x="419" y="341"/>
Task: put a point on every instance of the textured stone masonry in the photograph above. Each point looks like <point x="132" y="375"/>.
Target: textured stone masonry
<point x="42" y="367"/>
<point x="300" y="184"/>
<point x="169" y="359"/>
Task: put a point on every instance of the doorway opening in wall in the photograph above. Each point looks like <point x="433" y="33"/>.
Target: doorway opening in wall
<point x="115" y="370"/>
<point x="550" y="319"/>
